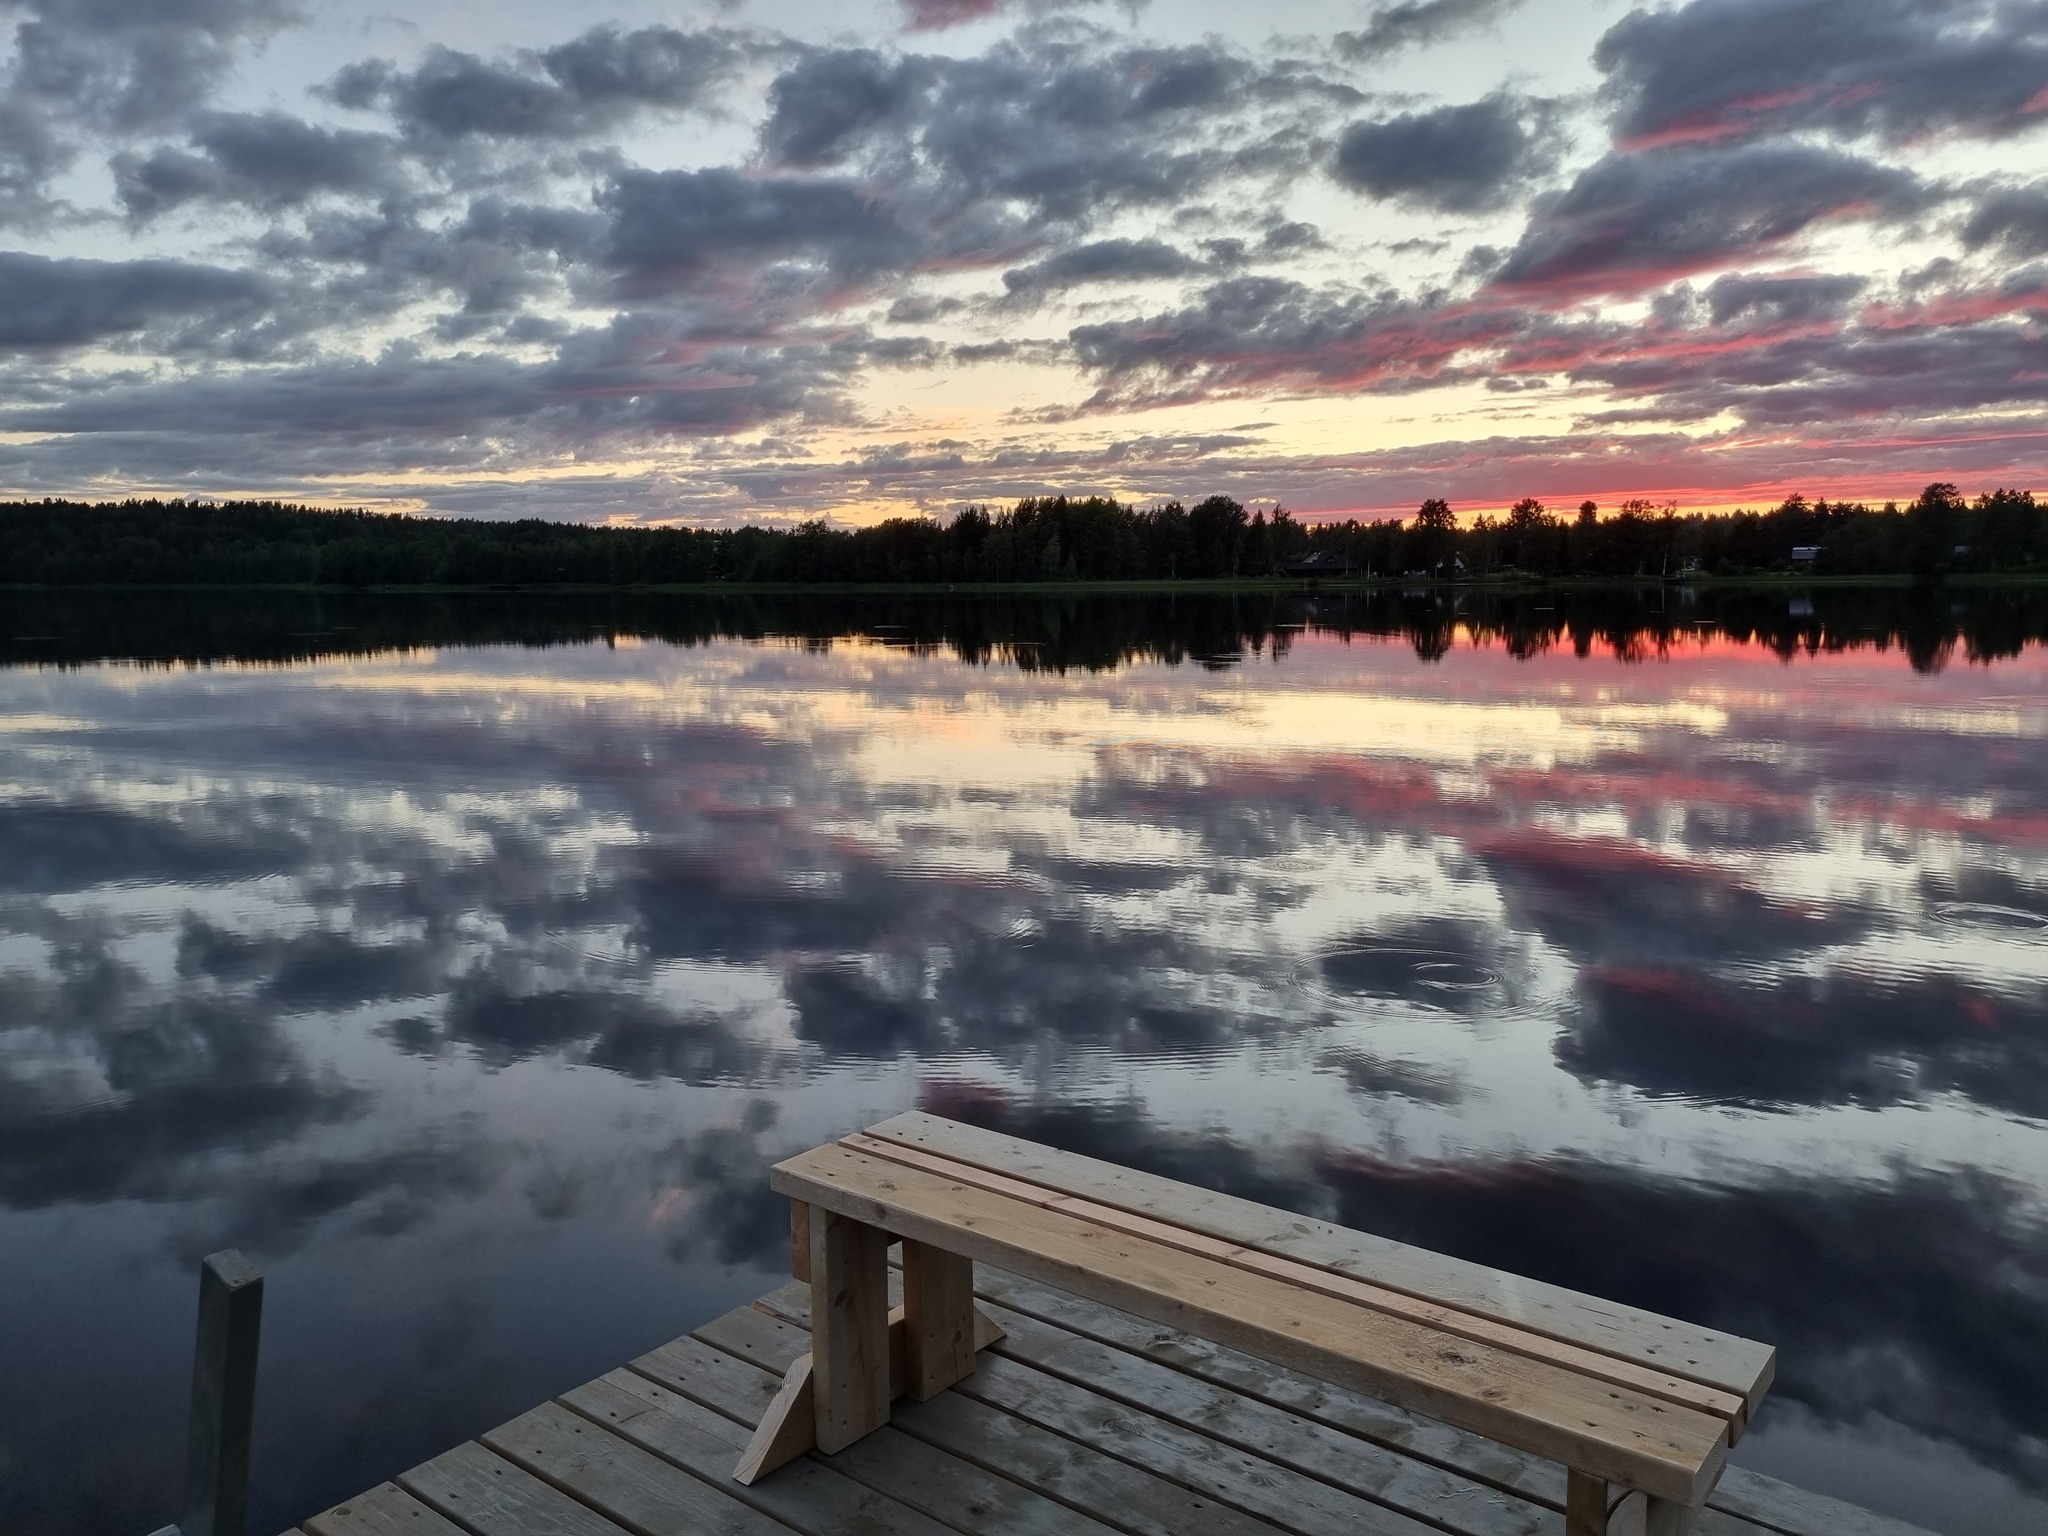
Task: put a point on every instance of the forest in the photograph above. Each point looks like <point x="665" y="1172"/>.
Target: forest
<point x="1039" y="540"/>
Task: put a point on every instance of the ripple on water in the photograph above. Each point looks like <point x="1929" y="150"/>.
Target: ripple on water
<point x="2016" y="921"/>
<point x="1391" y="971"/>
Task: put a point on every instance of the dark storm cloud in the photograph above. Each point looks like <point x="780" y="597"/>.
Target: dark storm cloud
<point x="112" y="67"/>
<point x="1102" y="261"/>
<point x="1896" y="69"/>
<point x="1418" y="23"/>
<point x="2012" y="219"/>
<point x="1776" y="300"/>
<point x="1061" y="122"/>
<point x="820" y="109"/>
<point x="594" y="82"/>
<point x="51" y="304"/>
<point x="1637" y="221"/>
<point x="1457" y="159"/>
<point x="668" y="223"/>
<point x="268" y="160"/>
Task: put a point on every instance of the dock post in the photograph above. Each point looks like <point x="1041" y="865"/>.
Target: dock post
<point x="223" y="1398"/>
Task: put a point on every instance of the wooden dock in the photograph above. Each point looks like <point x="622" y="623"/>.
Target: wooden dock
<point x="1084" y="1420"/>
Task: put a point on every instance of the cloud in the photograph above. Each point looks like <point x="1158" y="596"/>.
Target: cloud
<point x="1102" y="261"/>
<point x="85" y="68"/>
<point x="269" y="161"/>
<point x="1060" y="125"/>
<point x="50" y="304"/>
<point x="665" y="224"/>
<point x="1637" y="221"/>
<point x="819" y="110"/>
<point x="594" y="82"/>
<point x="939" y="15"/>
<point x="1455" y="159"/>
<point x="1896" y="70"/>
<point x="1778" y="300"/>
<point x="2012" y="219"/>
<point x="1416" y="24"/>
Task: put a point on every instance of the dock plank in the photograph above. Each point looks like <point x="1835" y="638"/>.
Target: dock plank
<point x="1138" y="1501"/>
<point x="385" y="1510"/>
<point x="1249" y="1378"/>
<point x="806" y="1494"/>
<point x="1269" y="1464"/>
<point x="630" y="1486"/>
<point x="1791" y="1510"/>
<point x="956" y="1492"/>
<point x="489" y="1496"/>
<point x="712" y="1376"/>
<point x="1084" y="1421"/>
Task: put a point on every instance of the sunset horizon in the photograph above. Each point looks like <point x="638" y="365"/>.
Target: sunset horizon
<point x="724" y="264"/>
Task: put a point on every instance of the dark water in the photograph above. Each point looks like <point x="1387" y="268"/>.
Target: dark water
<point x="467" y="961"/>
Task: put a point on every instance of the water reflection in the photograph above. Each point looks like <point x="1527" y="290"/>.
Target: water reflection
<point x="467" y="960"/>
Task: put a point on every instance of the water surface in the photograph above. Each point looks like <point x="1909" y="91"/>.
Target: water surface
<point x="467" y="961"/>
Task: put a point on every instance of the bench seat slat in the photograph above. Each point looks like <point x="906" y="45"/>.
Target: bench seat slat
<point x="1721" y="1360"/>
<point x="1469" y="1325"/>
<point x="1664" y="1449"/>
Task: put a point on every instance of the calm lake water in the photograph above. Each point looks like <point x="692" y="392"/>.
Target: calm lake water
<point x="466" y="962"/>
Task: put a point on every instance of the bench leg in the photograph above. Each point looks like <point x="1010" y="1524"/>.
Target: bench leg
<point x="849" y="1328"/>
<point x="938" y="1319"/>
<point x="1595" y="1507"/>
<point x="800" y="1241"/>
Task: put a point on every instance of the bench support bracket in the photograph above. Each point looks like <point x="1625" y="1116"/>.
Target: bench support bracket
<point x="925" y="1345"/>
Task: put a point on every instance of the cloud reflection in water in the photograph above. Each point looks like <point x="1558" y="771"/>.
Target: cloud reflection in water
<point x="462" y="984"/>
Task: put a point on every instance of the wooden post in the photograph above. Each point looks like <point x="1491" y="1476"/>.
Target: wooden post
<point x="849" y="1328"/>
<point x="1595" y="1507"/>
<point x="223" y="1398"/>
<point x="938" y="1312"/>
<point x="800" y="1241"/>
<point x="1585" y="1504"/>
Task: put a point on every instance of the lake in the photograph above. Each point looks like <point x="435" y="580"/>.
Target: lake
<point x="467" y="960"/>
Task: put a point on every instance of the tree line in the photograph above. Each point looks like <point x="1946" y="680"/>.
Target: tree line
<point x="1040" y="539"/>
<point x="1072" y="630"/>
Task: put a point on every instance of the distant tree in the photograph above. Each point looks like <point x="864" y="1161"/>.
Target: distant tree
<point x="1933" y="525"/>
<point x="1432" y="538"/>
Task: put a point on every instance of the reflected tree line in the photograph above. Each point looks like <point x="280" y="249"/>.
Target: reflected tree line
<point x="1054" y="633"/>
<point x="1039" y="540"/>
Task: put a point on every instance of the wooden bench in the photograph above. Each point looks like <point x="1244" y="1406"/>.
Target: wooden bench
<point x="1640" y="1409"/>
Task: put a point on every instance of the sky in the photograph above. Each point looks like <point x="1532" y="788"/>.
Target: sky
<point x="767" y="260"/>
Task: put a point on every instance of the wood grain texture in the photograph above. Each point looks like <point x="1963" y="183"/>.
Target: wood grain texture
<point x="850" y="1385"/>
<point x="1719" y="1359"/>
<point x="630" y="1486"/>
<point x="787" y="1429"/>
<point x="807" y="1496"/>
<point x="1240" y="1453"/>
<point x="938" y="1324"/>
<point x="489" y="1496"/>
<point x="1600" y="1366"/>
<point x="799" y="1241"/>
<point x="1660" y="1447"/>
<point x="1246" y="1378"/>
<point x="386" y="1510"/>
<point x="1085" y="1420"/>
